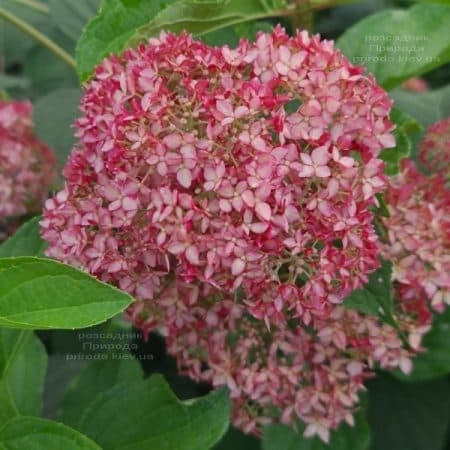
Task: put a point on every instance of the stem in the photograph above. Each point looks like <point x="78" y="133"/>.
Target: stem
<point x="38" y="36"/>
<point x="33" y="4"/>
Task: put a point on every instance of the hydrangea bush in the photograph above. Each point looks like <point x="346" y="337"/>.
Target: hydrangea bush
<point x="253" y="203"/>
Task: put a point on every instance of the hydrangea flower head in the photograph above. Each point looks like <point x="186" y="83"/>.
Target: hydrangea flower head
<point x="190" y="170"/>
<point x="418" y="231"/>
<point x="229" y="191"/>
<point x="27" y="166"/>
<point x="435" y="149"/>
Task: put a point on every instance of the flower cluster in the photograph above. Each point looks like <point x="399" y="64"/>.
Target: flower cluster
<point x="230" y="192"/>
<point x="418" y="238"/>
<point x="435" y="149"/>
<point x="27" y="166"/>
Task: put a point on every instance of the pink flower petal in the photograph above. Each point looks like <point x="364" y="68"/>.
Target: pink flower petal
<point x="306" y="171"/>
<point x="172" y="141"/>
<point x="129" y="204"/>
<point x="263" y="210"/>
<point x="192" y="255"/>
<point x="238" y="266"/>
<point x="224" y="106"/>
<point x="184" y="177"/>
<point x="323" y="171"/>
<point x="320" y="156"/>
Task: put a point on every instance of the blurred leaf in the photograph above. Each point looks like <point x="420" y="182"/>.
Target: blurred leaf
<point x="9" y="81"/>
<point x="46" y="72"/>
<point x="71" y="16"/>
<point x="26" y="433"/>
<point x="95" y="378"/>
<point x="53" y="116"/>
<point x="224" y="36"/>
<point x="375" y="298"/>
<point x="26" y="241"/>
<point x="16" y="43"/>
<point x="397" y="44"/>
<point x="426" y="107"/>
<point x="23" y="363"/>
<point x="405" y="125"/>
<point x="44" y="294"/>
<point x="435" y="361"/>
<point x="107" y="32"/>
<point x="405" y="416"/>
<point x="277" y="437"/>
<point x="154" y="418"/>
<point x="60" y="371"/>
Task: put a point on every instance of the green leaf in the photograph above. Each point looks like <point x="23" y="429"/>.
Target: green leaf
<point x="426" y="107"/>
<point x="54" y="115"/>
<point x="397" y="44"/>
<point x="43" y="294"/>
<point x="71" y="17"/>
<point x="439" y="2"/>
<point x="407" y="416"/>
<point x="435" y="361"/>
<point x="277" y="437"/>
<point x="97" y="377"/>
<point x="154" y="418"/>
<point x="405" y="126"/>
<point x="106" y="33"/>
<point x="375" y="298"/>
<point x="61" y="370"/>
<point x="124" y="23"/>
<point x="26" y="241"/>
<point x="23" y="363"/>
<point x="209" y="15"/>
<point x="33" y="433"/>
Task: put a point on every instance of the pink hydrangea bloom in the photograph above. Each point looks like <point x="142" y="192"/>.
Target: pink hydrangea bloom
<point x="226" y="216"/>
<point x="27" y="166"/>
<point x="435" y="149"/>
<point x="418" y="236"/>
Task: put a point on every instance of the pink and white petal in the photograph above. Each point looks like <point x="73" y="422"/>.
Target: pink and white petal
<point x="184" y="177"/>
<point x="323" y="171"/>
<point x="259" y="227"/>
<point x="225" y="205"/>
<point x="306" y="171"/>
<point x="192" y="255"/>
<point x="172" y="141"/>
<point x="387" y="140"/>
<point x="263" y="211"/>
<point x="130" y="204"/>
<point x="320" y="155"/>
<point x="237" y="266"/>
<point x="176" y="248"/>
<point x="224" y="106"/>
